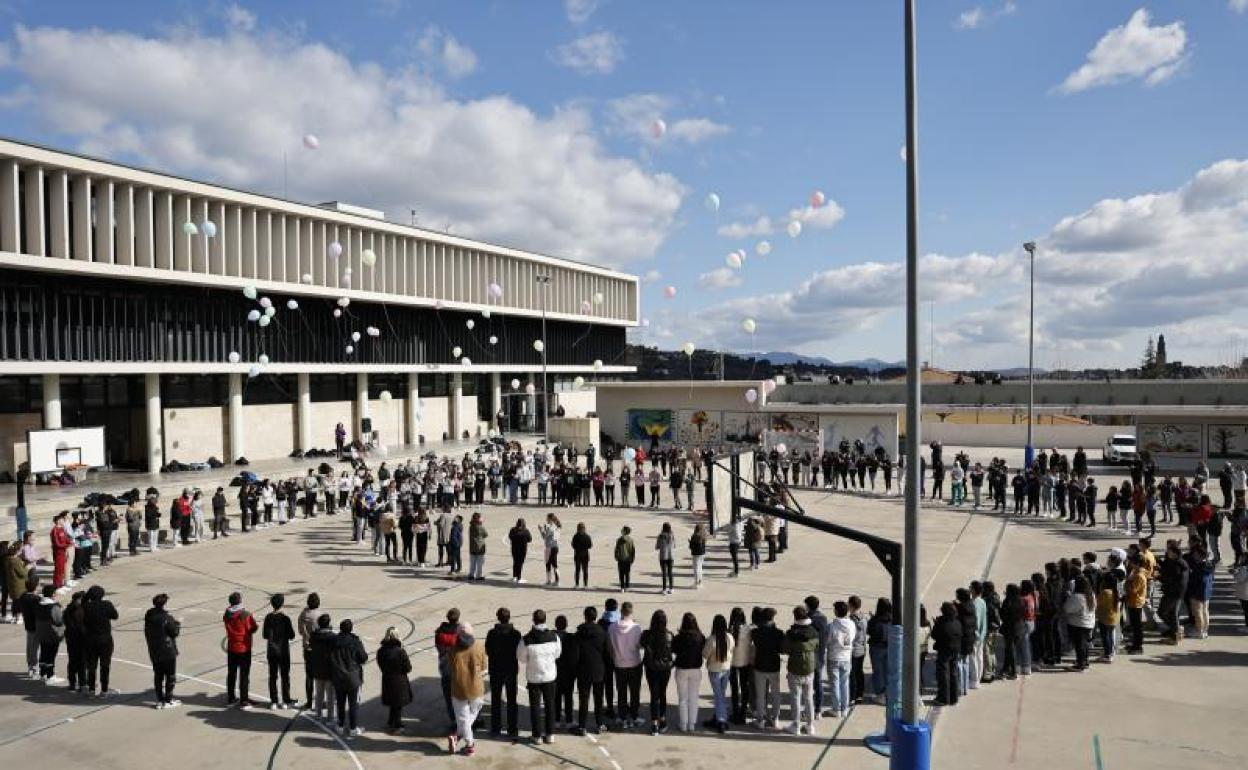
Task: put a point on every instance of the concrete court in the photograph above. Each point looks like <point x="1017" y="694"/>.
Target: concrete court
<point x="1133" y="707"/>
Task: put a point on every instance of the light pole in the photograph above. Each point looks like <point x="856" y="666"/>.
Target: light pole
<point x="1029" y="453"/>
<point x="543" y="281"/>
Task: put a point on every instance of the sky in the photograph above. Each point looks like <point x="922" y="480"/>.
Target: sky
<point x="1110" y="133"/>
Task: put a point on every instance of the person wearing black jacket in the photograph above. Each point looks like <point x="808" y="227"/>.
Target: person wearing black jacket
<point x="966" y="616"/>
<point x="98" y="615"/>
<point x="1013" y="631"/>
<point x="566" y="665"/>
<point x="161" y="630"/>
<point x="819" y="622"/>
<point x="593" y="657"/>
<point x="500" y="649"/>
<point x="75" y="644"/>
<point x="278" y="633"/>
<point x="321" y="645"/>
<point x="1174" y="573"/>
<point x="520" y="537"/>
<point x="219" y="521"/>
<point x="947" y="639"/>
<point x="610" y="616"/>
<point x="766" y="641"/>
<point x="581" y="544"/>
<point x="346" y="671"/>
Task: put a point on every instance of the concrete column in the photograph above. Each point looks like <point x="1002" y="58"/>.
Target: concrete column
<point x="361" y="403"/>
<point x="237" y="445"/>
<point x="304" y="383"/>
<point x="457" y="394"/>
<point x="496" y="395"/>
<point x="52" y="402"/>
<point x="535" y="379"/>
<point x="155" y="442"/>
<point x="413" y="411"/>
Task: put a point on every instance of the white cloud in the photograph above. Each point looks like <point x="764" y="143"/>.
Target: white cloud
<point x="240" y="18"/>
<point x="446" y="53"/>
<point x="579" y="11"/>
<point x="1136" y="50"/>
<point x="1239" y="6"/>
<point x="722" y="278"/>
<point x="971" y="19"/>
<point x="597" y="53"/>
<point x="651" y="276"/>
<point x="634" y="116"/>
<point x="825" y="217"/>
<point x="391" y="139"/>
<point x="760" y="226"/>
<point x="694" y="130"/>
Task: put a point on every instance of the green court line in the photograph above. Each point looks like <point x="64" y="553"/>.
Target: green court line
<point x="1096" y="752"/>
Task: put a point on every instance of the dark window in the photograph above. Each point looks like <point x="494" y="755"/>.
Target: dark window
<point x="270" y="389"/>
<point x="187" y="390"/>
<point x="21" y="395"/>
<point x="332" y="387"/>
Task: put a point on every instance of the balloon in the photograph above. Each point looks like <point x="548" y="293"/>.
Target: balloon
<point x="235" y="357"/>
<point x="530" y="388"/>
<point x="817" y="199"/>
<point x="485" y="313"/>
<point x="355" y="336"/>
<point x="586" y="308"/>
<point x="456" y="351"/>
<point x="265" y="320"/>
<point x="733" y="260"/>
<point x="748" y="326"/>
<point x="794" y="228"/>
<point x="292" y="304"/>
<point x="335" y="250"/>
<point x="781" y="448"/>
<point x="494" y="290"/>
<point x="346" y="271"/>
<point x="385" y="395"/>
<point x="769" y="386"/>
<point x="350" y="349"/>
<point x="311" y="142"/>
<point x="629" y="454"/>
<point x="669" y="292"/>
<point x="597" y="364"/>
<point x="598" y="298"/>
<point x="658" y="128"/>
<point x="493" y="340"/>
<point x="265" y="302"/>
<point x="465" y="361"/>
<point x="712" y="202"/>
<point x="763" y="248"/>
<point x="270" y="311"/>
<point x="470" y="323"/>
<point x="344" y="301"/>
<point x="902" y="153"/>
<point x="373" y="331"/>
<point x="306" y="278"/>
<point x="189" y="228"/>
<point x="515" y="384"/>
<point x="751" y="395"/>
<point x="368" y="257"/>
<point x="253" y="371"/>
<point x="249" y="291"/>
<point x="337" y="313"/>
<point x="578" y="383"/>
<point x="209" y="229"/>
<point x="263" y="360"/>
<point x="688" y="347"/>
<point x="539" y="346"/>
<point x="253" y="315"/>
<point x="491" y="433"/>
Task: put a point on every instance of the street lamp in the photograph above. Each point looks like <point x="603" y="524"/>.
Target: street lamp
<point x="543" y="281"/>
<point x="1030" y="452"/>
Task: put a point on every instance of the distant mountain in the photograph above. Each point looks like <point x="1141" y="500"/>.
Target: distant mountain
<point x="782" y="358"/>
<point x="873" y="364"/>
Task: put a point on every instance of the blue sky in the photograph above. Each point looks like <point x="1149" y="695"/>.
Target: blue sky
<point x="1085" y="126"/>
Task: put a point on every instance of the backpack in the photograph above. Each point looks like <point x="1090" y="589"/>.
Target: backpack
<point x="659" y="653"/>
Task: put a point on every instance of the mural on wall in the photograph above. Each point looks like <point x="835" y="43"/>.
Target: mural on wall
<point x="796" y="442"/>
<point x="1228" y="442"/>
<point x="1169" y="438"/>
<point x="743" y="427"/>
<point x="650" y="427"/>
<point x="872" y="433"/>
<point x="699" y="427"/>
<point x="793" y="421"/>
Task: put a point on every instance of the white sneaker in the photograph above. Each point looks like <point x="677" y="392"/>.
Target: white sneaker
<point x="173" y="704"/>
<point x="54" y="680"/>
<point x="275" y="706"/>
<point x="794" y="729"/>
<point x="160" y="705"/>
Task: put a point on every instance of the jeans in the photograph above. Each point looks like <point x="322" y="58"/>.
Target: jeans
<point x="719" y="691"/>
<point x="688" y="682"/>
<point x="465" y="714"/>
<point x="766" y="696"/>
<point x="239" y="664"/>
<point x="802" y="693"/>
<point x="879" y="669"/>
<point x="839" y="674"/>
<point x="1108" y="635"/>
<point x="323" y="697"/>
<point x="476" y="565"/>
<point x="32" y="651"/>
<point x="975" y="666"/>
<point x="1024" y="651"/>
<point x="504" y="685"/>
<point x="542" y="708"/>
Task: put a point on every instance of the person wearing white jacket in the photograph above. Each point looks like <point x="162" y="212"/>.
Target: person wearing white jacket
<point x="538" y="652"/>
<point x="840" y="650"/>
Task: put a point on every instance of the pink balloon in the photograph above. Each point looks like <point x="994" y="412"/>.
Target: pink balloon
<point x="817" y="199"/>
<point x="669" y="292"/>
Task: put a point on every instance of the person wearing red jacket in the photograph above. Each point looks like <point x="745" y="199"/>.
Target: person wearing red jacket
<point x="61" y="545"/>
<point x="240" y="627"/>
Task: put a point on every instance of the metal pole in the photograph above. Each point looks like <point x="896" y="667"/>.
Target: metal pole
<point x="1029" y="452"/>
<point x="544" y="280"/>
<point x="910" y="702"/>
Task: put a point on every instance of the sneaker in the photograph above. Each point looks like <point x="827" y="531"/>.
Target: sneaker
<point x="53" y="680"/>
<point x="173" y="704"/>
<point x="275" y="706"/>
<point x="356" y="732"/>
<point x="469" y="750"/>
<point x="794" y="729"/>
<point x="160" y="706"/>
<point x="548" y="739"/>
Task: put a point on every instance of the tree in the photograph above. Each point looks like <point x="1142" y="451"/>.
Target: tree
<point x="1150" y="358"/>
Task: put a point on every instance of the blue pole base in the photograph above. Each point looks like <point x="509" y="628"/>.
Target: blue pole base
<point x="879" y="743"/>
<point x="911" y="747"/>
<point x="1029" y="455"/>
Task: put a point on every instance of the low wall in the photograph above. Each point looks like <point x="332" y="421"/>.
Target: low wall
<point x="193" y="434"/>
<point x="577" y="403"/>
<point x="1090" y="437"/>
<point x="13" y="429"/>
<point x="575" y="431"/>
<point x="325" y="417"/>
<point x="269" y="430"/>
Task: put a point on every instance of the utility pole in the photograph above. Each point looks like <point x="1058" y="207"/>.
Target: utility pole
<point x="543" y="281"/>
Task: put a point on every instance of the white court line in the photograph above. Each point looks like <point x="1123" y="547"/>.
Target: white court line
<point x="953" y="546"/>
<point x="605" y="753"/>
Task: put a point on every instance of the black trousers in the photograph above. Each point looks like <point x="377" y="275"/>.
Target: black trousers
<point x="517" y="563"/>
<point x="857" y="677"/>
<point x="47" y="658"/>
<point x="740" y="682"/>
<point x="947" y="678"/>
<point x="407" y="546"/>
<point x="734" y="550"/>
<point x="656" y="682"/>
<point x="628" y="691"/>
<point x="308" y="680"/>
<point x="581" y="569"/>
<point x="608" y="689"/>
<point x="1135" y="619"/>
<point x="584" y="688"/>
<point x="625" y="569"/>
<point x="542" y="708"/>
<point x="392" y="546"/>
<point x="279" y="667"/>
<point x="563" y="703"/>
<point x="239" y="670"/>
<point x="666" y="570"/>
<point x="500" y="685"/>
<point x="99" y="660"/>
<point x="422" y="546"/>
<point x="165" y="674"/>
<point x="76" y="669"/>
<point x="348" y="707"/>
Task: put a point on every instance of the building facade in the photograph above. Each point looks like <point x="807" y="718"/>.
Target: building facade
<point x="114" y="312"/>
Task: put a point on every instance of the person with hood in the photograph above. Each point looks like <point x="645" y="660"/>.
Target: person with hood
<point x="478" y="536"/>
<point x="593" y="655"/>
<point x="62" y="544"/>
<point x="240" y="627"/>
<point x="346" y="671"/>
<point x="50" y="630"/>
<point x="947" y="638"/>
<point x="306" y="626"/>
<point x="539" y="652"/>
<point x="448" y="636"/>
<point x="396" y="688"/>
<point x="625" y="554"/>
<point x="1079" y="610"/>
<point x="610" y="616"/>
<point x="519" y="537"/>
<point x="278" y="633"/>
<point x="840" y="643"/>
<point x="501" y="642"/>
<point x="160" y="631"/>
<point x="625" y="638"/>
<point x="98" y="615"/>
<point x="819" y="622"/>
<point x="467" y="663"/>
<point x="75" y="644"/>
<point x="800" y="644"/>
<point x="321" y="644"/>
<point x="766" y="642"/>
<point x="657" y="659"/>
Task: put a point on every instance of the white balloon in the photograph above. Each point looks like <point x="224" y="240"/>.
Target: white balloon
<point x="578" y="382"/>
<point x="751" y="395"/>
<point x="337" y="313"/>
<point x="781" y="448"/>
<point x="373" y="331"/>
<point x="189" y="228"/>
<point x="307" y="278"/>
<point x="733" y="260"/>
<point x="253" y="371"/>
<point x="235" y="357"/>
<point x="265" y="320"/>
<point x="465" y="361"/>
<point x="270" y="311"/>
<point x="712" y="202"/>
<point x="794" y="228"/>
<point x="311" y="142"/>
<point x="598" y="298"/>
<point x="494" y="290"/>
<point x="263" y="360"/>
<point x="539" y="346"/>
<point x="658" y="128"/>
<point x="292" y="304"/>
<point x="470" y="323"/>
<point x="265" y="302"/>
<point x="817" y="199"/>
<point x="456" y="351"/>
<point x="645" y="323"/>
<point x="597" y="364"/>
<point x="493" y="340"/>
<point x="253" y="315"/>
<point x="748" y="326"/>
<point x="515" y="384"/>
<point x="355" y="336"/>
<point x="688" y="347"/>
<point x="335" y="250"/>
<point x="769" y="386"/>
<point x="586" y="308"/>
<point x="530" y="388"/>
<point x="344" y="301"/>
<point x="249" y="291"/>
<point x="486" y="314"/>
<point x="763" y="248"/>
<point x="209" y="229"/>
<point x="385" y="395"/>
<point x="368" y="257"/>
<point x="629" y="454"/>
<point x="350" y="349"/>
